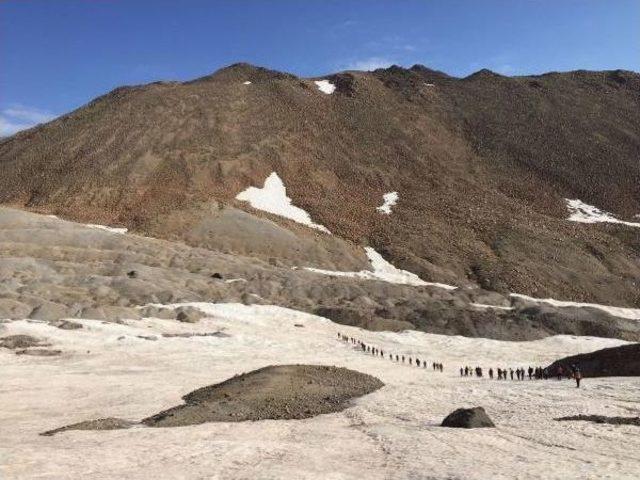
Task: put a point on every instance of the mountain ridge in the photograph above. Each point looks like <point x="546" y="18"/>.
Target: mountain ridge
<point x="482" y="165"/>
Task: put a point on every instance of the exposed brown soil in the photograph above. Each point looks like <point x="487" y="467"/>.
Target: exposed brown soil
<point x="280" y="392"/>
<point x="482" y="165"/>
<point x="99" y="424"/>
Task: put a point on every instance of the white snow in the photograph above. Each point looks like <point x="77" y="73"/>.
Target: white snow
<point x="622" y="312"/>
<point x="390" y="199"/>
<point x="429" y="85"/>
<point x="325" y="86"/>
<point x="272" y="198"/>
<point x="118" y="230"/>
<point x="486" y="306"/>
<point x="584" y="213"/>
<point x="384" y="271"/>
<point x="393" y="433"/>
<point x="246" y="83"/>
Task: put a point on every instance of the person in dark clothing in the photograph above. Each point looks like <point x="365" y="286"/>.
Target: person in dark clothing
<point x="491" y="373"/>
<point x="418" y="362"/>
<point x="560" y="371"/>
<point x="462" y="372"/>
<point x="577" y="374"/>
<point x="511" y="373"/>
<point x="530" y="372"/>
<point x="402" y="358"/>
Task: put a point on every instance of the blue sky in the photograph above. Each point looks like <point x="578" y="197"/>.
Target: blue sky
<point x="56" y="55"/>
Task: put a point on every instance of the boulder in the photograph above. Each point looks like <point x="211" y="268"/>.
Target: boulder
<point x="188" y="314"/>
<point x="474" y="417"/>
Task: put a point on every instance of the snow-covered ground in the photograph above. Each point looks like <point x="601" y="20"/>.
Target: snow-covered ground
<point x="584" y="213"/>
<point x="389" y="200"/>
<point x="272" y="198"/>
<point x="118" y="230"/>
<point x="325" y="86"/>
<point x="107" y="370"/>
<point x="622" y="312"/>
<point x="384" y="271"/>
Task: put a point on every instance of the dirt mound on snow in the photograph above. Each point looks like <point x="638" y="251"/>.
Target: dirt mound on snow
<point x="276" y="392"/>
<point x="281" y="392"/>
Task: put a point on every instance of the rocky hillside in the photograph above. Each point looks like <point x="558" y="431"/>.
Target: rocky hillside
<point x="482" y="166"/>
<point x="623" y="361"/>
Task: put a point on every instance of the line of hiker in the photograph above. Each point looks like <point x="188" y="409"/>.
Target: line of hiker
<point x="439" y="367"/>
<point x="537" y="373"/>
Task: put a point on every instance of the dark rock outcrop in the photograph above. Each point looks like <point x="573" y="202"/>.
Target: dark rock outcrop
<point x="602" y="419"/>
<point x="475" y="417"/>
<point x="623" y="361"/>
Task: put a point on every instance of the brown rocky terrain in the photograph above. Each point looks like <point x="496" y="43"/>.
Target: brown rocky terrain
<point x="623" y="361"/>
<point x="281" y="392"/>
<point x="482" y="165"/>
<point x="52" y="270"/>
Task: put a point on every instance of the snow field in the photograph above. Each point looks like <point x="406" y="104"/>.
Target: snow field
<point x="389" y="434"/>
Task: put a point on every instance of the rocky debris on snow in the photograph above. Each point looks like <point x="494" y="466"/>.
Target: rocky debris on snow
<point x="66" y="325"/>
<point x="13" y="342"/>
<point x="39" y="352"/>
<point x="219" y="334"/>
<point x="475" y="417"/>
<point x="622" y="361"/>
<point x="602" y="419"/>
<point x="276" y="392"/>
<point x="100" y="424"/>
<point x="188" y="314"/>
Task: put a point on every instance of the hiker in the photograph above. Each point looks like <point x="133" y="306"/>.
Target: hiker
<point x="491" y="373"/>
<point x="418" y="362"/>
<point x="402" y="358"/>
<point x="463" y="372"/>
<point x="559" y="371"/>
<point x="577" y="374"/>
<point x="499" y="373"/>
<point x="511" y="373"/>
<point x="530" y="372"/>
<point x="410" y="361"/>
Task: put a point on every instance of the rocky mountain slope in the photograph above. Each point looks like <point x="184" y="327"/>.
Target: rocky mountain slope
<point x="482" y="166"/>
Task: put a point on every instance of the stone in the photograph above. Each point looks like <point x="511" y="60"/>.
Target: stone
<point x="475" y="417"/>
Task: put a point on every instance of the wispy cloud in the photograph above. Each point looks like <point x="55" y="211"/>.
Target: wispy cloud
<point x="19" y="117"/>
<point x="368" y="64"/>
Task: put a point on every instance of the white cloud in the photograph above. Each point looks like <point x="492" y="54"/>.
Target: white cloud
<point x="18" y="117"/>
<point x="371" y="63"/>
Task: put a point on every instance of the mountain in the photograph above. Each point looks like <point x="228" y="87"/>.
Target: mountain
<point x="483" y="166"/>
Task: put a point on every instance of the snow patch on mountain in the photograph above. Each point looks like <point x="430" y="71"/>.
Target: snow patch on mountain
<point x="384" y="271"/>
<point x="118" y="230"/>
<point x="272" y="198"/>
<point x="325" y="86"/>
<point x="584" y="213"/>
<point x="246" y="83"/>
<point x="390" y="199"/>
<point x="622" y="312"/>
